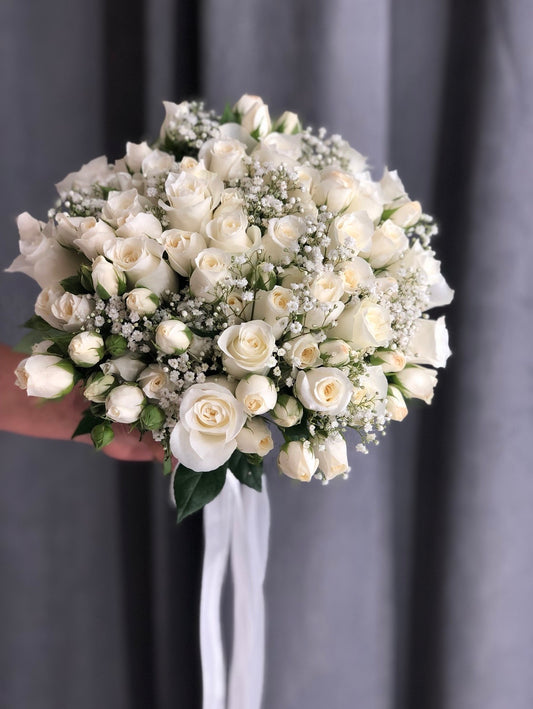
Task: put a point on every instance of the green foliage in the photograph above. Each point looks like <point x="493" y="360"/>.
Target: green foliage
<point x="73" y="284"/>
<point x="88" y="421"/>
<point x="116" y="345"/>
<point x="152" y="417"/>
<point x="247" y="469"/>
<point x="229" y="115"/>
<point x="45" y="331"/>
<point x="193" y="490"/>
<point x="101" y="435"/>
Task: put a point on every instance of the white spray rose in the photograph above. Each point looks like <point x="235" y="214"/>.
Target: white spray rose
<point x="45" y="376"/>
<point x="157" y="162"/>
<point x="211" y="266"/>
<point x="274" y="307"/>
<point x="230" y="232"/>
<point x="254" y="115"/>
<point x="127" y="367"/>
<point x="121" y="205"/>
<point x="407" y="215"/>
<point x="356" y="274"/>
<point x="70" y="228"/>
<point x="210" y="418"/>
<point x="135" y="154"/>
<point x="388" y="243"/>
<point x="417" y="382"/>
<point x="332" y="456"/>
<point x="86" y="349"/>
<point x="255" y="438"/>
<point x="372" y="387"/>
<point x="335" y="353"/>
<point x="278" y="149"/>
<point x="417" y="257"/>
<point x="354" y="231"/>
<point x="64" y="311"/>
<point x="367" y="197"/>
<point x="192" y="199"/>
<point x="93" y="241"/>
<point x="328" y="289"/>
<point x="391" y="360"/>
<point x="98" y="387"/>
<point x="225" y="157"/>
<point x="124" y="404"/>
<point x="336" y="189"/>
<point x="325" y="389"/>
<point x="247" y="348"/>
<point x="107" y="279"/>
<point x="142" y="301"/>
<point x="297" y="460"/>
<point x="287" y="412"/>
<point x="429" y="343"/>
<point x="392" y="189"/>
<point x="96" y="171"/>
<point x="364" y="324"/>
<point x="140" y="259"/>
<point x="152" y="380"/>
<point x="396" y="406"/>
<point x="172" y="336"/>
<point x="302" y="352"/>
<point x="175" y="114"/>
<point x="182" y="248"/>
<point x="142" y="224"/>
<point x="281" y="238"/>
<point x="288" y="122"/>
<point x="257" y="394"/>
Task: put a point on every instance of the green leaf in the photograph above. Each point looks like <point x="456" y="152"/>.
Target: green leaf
<point x="152" y="417"/>
<point x="102" y="435"/>
<point x="37" y="323"/>
<point x="247" y="469"/>
<point x="193" y="490"/>
<point x="73" y="285"/>
<point x="102" y="293"/>
<point x="387" y="214"/>
<point x="26" y="343"/>
<point x="86" y="278"/>
<point x="229" y="115"/>
<point x="87" y="423"/>
<point x="299" y="432"/>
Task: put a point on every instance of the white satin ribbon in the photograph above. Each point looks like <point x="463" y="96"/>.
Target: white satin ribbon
<point x="237" y="521"/>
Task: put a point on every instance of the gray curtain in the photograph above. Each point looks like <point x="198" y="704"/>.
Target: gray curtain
<point x="409" y="586"/>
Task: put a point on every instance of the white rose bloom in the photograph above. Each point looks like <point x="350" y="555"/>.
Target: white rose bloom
<point x="325" y="389"/>
<point x="225" y="157"/>
<point x="388" y="243"/>
<point x="135" y="154"/>
<point x="42" y="257"/>
<point x="247" y="348"/>
<point x="192" y="199"/>
<point x="417" y="257"/>
<point x="142" y="301"/>
<point x="107" y="279"/>
<point x="396" y="406"/>
<point x="367" y="197"/>
<point x="124" y="404"/>
<point x="364" y="324"/>
<point x="287" y="412"/>
<point x="336" y="189"/>
<point x="255" y="438"/>
<point x="356" y="274"/>
<point x="157" y="162"/>
<point x="328" y="289"/>
<point x="332" y="455"/>
<point x="70" y="228"/>
<point x="127" y="367"/>
<point x="372" y="387"/>
<point x="43" y="305"/>
<point x="308" y="177"/>
<point x="352" y="230"/>
<point x="429" y="343"/>
<point x="121" y="205"/>
<point x="182" y="247"/>
<point x="230" y="232"/>
<point x="210" y="418"/>
<point x="230" y="199"/>
<point x="64" y="311"/>
<point x="407" y="215"/>
<point x="172" y="336"/>
<point x="240" y="309"/>
<point x="257" y="394"/>
<point x="278" y="149"/>
<point x="143" y="225"/>
<point x="95" y="171"/>
<point x="418" y="382"/>
<point x="175" y="114"/>
<point x="302" y="352"/>
<point x="152" y="380"/>
<point x="392" y="189"/>
<point x="98" y="386"/>
<point x="288" y="122"/>
<point x="139" y="258"/>
<point x="223" y="382"/>
<point x="281" y="238"/>
<point x="45" y="376"/>
<point x="391" y="360"/>
<point x="41" y="347"/>
<point x="274" y="307"/>
<point x="335" y="353"/>
<point x="297" y="460"/>
<point x="254" y="114"/>
<point x="211" y="266"/>
<point x="93" y="241"/>
<point x="86" y="349"/>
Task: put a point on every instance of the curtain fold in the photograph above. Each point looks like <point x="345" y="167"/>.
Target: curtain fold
<point x="407" y="586"/>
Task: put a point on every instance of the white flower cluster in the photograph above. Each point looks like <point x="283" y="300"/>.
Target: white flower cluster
<point x="239" y="274"/>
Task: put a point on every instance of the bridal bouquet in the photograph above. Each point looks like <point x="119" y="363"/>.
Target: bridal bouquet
<point x="237" y="276"/>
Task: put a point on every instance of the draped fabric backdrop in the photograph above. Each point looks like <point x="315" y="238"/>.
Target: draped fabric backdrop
<point x="408" y="587"/>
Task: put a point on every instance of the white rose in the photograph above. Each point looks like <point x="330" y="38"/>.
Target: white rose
<point x="325" y="389"/>
<point x="142" y="301"/>
<point x="240" y="310"/>
<point x="211" y="266"/>
<point x="354" y="231"/>
<point x="43" y="305"/>
<point x="417" y="257"/>
<point x="107" y="279"/>
<point x="139" y="258"/>
<point x="247" y="348"/>
<point x="429" y="343"/>
<point x="391" y="360"/>
<point x="86" y="349"/>
<point x="230" y="232"/>
<point x="287" y="412"/>
<point x="391" y="186"/>
<point x="42" y="257"/>
<point x="364" y="324"/>
<point x="372" y="388"/>
<point x="45" y="376"/>
<point x="308" y="177"/>
<point x="152" y="380"/>
<point x="367" y="197"/>
<point x="192" y="199"/>
<point x="230" y="200"/>
<point x="288" y="122"/>
<point x="124" y="404"/>
<point x="175" y="114"/>
<point x="332" y="456"/>
<point x="336" y="189"/>
<point x="388" y="243"/>
<point x="98" y="387"/>
<point x="254" y="115"/>
<point x="335" y="353"/>
<point x="281" y="238"/>
<point x="302" y="352"/>
<point x="157" y="162"/>
<point x="172" y="336"/>
<point x="255" y="438"/>
<point x="328" y="289"/>
<point x="182" y="247"/>
<point x="210" y="420"/>
<point x="355" y="274"/>
<point x="225" y="157"/>
<point x="142" y="224"/>
<point x="417" y="382"/>
<point x="64" y="311"/>
<point x="70" y="228"/>
<point x="396" y="407"/>
<point x="274" y="307"/>
<point x="297" y="460"/>
<point x="407" y="215"/>
<point x="278" y="149"/>
<point x="135" y="154"/>
<point x="96" y="171"/>
<point x="257" y="394"/>
<point x="93" y="241"/>
<point x="121" y="205"/>
<point x="127" y="367"/>
<point x="41" y="347"/>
